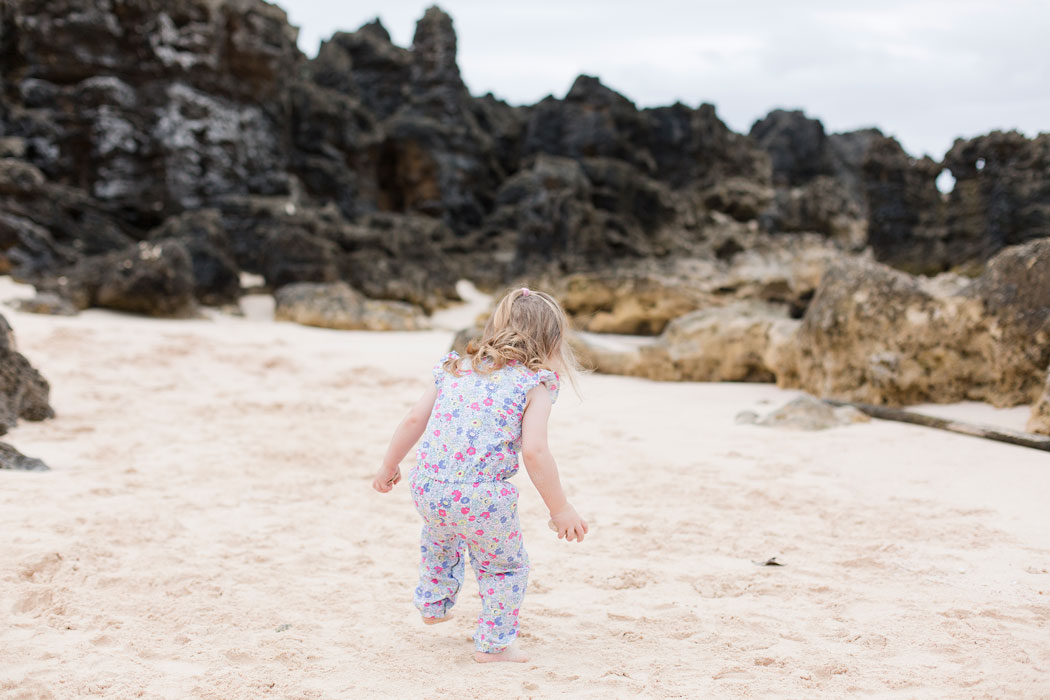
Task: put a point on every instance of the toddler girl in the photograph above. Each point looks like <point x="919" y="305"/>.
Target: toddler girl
<point x="482" y="411"/>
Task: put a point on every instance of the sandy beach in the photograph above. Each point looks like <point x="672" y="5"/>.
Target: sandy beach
<point x="208" y="530"/>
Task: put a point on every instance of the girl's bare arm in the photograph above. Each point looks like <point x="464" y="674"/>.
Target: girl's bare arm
<point x="539" y="462"/>
<point x="405" y="436"/>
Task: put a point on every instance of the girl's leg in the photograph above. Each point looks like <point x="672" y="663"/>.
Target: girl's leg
<point x="440" y="572"/>
<point x="498" y="557"/>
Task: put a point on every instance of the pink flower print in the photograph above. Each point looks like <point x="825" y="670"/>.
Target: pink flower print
<point x="484" y="563"/>
<point x="485" y="514"/>
<point x="476" y="406"/>
<point x="437" y="433"/>
<point x="456" y="495"/>
<point x="471" y="450"/>
<point x="514" y="611"/>
<point x="448" y="416"/>
<point x="504" y="492"/>
<point x="464" y="510"/>
<point x="472" y="518"/>
<point x="479" y="532"/>
<point x="459" y="456"/>
<point x="491" y="591"/>
<point x="441" y="512"/>
<point x="438" y="569"/>
<point x="488" y="401"/>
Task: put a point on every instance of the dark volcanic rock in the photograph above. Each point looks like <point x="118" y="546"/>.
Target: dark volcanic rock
<point x="676" y="144"/>
<point x="396" y="256"/>
<point x="1001" y="195"/>
<point x="694" y="148"/>
<point x="23" y="391"/>
<point x="389" y="256"/>
<point x="336" y="146"/>
<point x="216" y="279"/>
<point x="293" y="254"/>
<point x="152" y="278"/>
<point x="10" y="458"/>
<point x="906" y="212"/>
<point x="436" y="159"/>
<point x="45" y="226"/>
<point x="367" y="66"/>
<point x="151" y="106"/>
<point x="591" y="121"/>
<point x="797" y="145"/>
<point x="548" y="214"/>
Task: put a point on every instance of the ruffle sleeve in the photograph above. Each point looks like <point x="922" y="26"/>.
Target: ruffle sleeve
<point x="439" y="369"/>
<point x="549" y="379"/>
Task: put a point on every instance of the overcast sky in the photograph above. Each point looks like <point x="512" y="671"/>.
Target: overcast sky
<point x="925" y="71"/>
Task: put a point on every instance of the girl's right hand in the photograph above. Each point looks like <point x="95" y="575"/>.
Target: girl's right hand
<point x="569" y="524"/>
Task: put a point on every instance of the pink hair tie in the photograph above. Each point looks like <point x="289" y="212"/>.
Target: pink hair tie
<point x="524" y="291"/>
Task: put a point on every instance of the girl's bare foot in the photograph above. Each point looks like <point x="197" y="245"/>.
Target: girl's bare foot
<point x="511" y="653"/>
<point x="437" y="620"/>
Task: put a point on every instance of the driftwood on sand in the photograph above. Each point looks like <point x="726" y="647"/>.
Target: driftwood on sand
<point x="983" y="431"/>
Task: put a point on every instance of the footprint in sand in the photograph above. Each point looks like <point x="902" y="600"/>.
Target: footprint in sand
<point x="43" y="569"/>
<point x="633" y="578"/>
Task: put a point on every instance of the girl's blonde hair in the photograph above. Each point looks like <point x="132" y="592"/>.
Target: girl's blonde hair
<point x="527" y="327"/>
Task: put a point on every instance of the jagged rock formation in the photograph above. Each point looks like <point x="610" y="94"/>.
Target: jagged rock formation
<point x="199" y="122"/>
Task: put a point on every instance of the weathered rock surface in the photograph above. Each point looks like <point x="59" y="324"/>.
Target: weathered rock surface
<point x="44" y="303"/>
<point x="10" y="458"/>
<point x="641" y="299"/>
<point x="339" y="306"/>
<point x="905" y="210"/>
<point x="1001" y="195"/>
<point x="805" y="413"/>
<point x="741" y="342"/>
<point x="151" y="278"/>
<point x="1039" y="422"/>
<point x="880" y="336"/>
<point x="216" y="278"/>
<point x="23" y="391"/>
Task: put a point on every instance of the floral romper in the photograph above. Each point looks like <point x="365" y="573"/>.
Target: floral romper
<point x="460" y="488"/>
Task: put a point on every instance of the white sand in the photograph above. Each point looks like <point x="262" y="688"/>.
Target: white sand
<point x="210" y="487"/>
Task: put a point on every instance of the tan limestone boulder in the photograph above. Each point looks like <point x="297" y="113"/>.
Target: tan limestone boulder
<point x="337" y="305"/>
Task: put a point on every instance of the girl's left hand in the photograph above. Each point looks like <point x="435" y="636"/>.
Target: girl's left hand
<point x="386" y="477"/>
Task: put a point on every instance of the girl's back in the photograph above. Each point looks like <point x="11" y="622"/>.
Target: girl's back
<point x="474" y="432"/>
